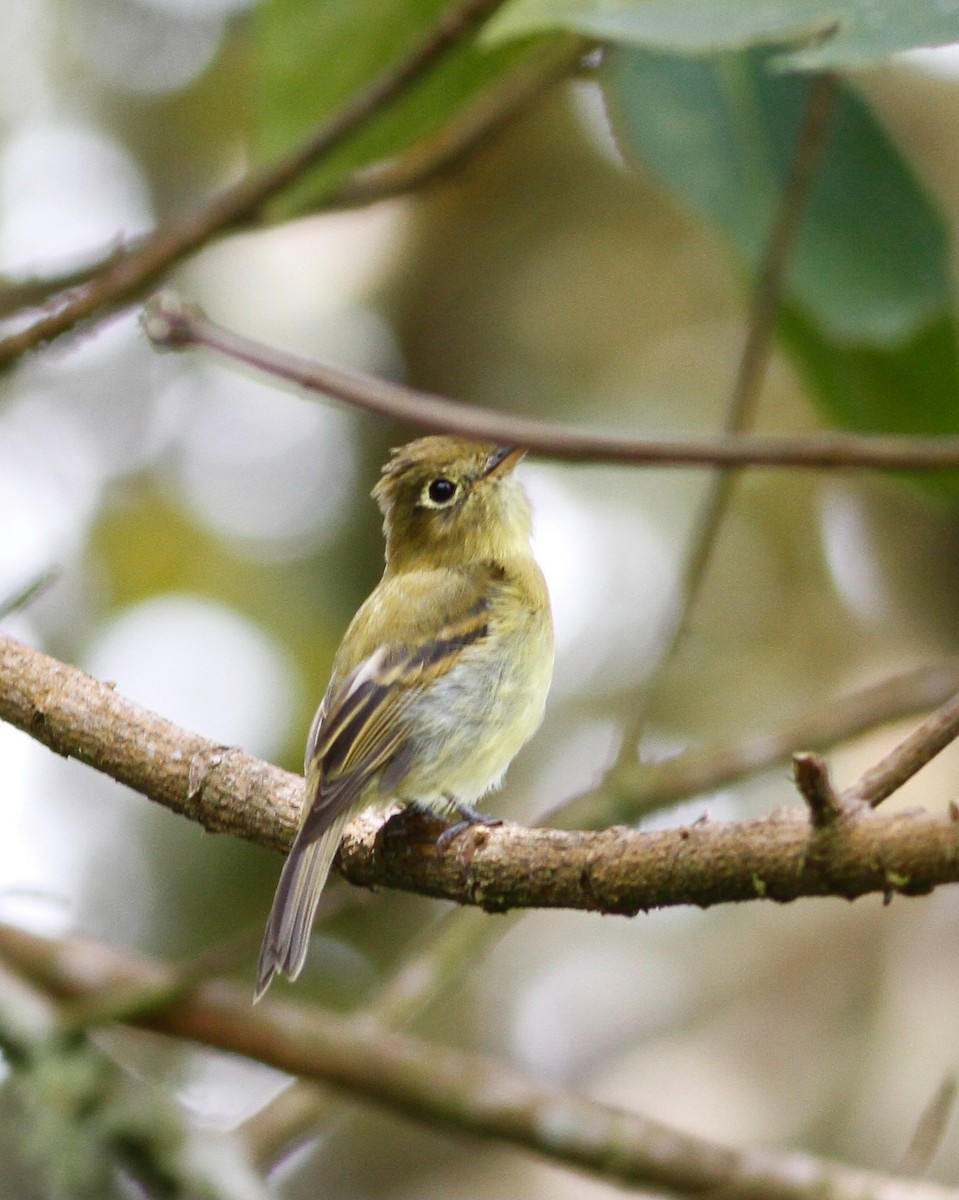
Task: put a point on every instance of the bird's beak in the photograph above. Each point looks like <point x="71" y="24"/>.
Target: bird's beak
<point x="503" y="460"/>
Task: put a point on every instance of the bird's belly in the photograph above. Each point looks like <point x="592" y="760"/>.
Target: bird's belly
<point x="470" y="726"/>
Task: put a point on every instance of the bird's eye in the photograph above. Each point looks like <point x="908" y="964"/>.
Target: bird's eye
<point x="441" y="491"/>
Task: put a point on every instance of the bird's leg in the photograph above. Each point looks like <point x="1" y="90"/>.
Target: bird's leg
<point x="467" y="816"/>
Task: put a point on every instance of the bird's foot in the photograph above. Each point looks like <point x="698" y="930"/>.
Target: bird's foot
<point x="468" y="816"/>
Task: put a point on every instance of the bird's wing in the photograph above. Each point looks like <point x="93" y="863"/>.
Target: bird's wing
<point x="362" y="731"/>
<point x="359" y="732"/>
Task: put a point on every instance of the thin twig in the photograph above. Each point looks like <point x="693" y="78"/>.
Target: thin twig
<point x="444" y="153"/>
<point x="810" y="142"/>
<point x="910" y="756"/>
<point x="174" y="325"/>
<point x="930" y="1131"/>
<point x="127" y="278"/>
<point x="24" y="596"/>
<point x="636" y="789"/>
<point x="808" y="146"/>
<point x="456" y="1090"/>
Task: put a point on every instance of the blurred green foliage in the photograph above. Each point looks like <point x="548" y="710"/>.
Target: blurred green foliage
<point x="312" y="58"/>
<point x="869" y="304"/>
<point x="834" y="34"/>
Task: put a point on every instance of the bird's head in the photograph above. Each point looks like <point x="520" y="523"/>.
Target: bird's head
<point x="446" y="501"/>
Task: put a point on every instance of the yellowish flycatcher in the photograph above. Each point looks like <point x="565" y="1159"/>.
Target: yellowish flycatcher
<point x="442" y="674"/>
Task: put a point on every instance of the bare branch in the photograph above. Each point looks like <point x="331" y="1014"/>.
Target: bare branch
<point x="811" y="775"/>
<point x="75" y="715"/>
<point x="615" y="871"/>
<point x="482" y="121"/>
<point x="445" y="951"/>
<point x="930" y="1130"/>
<point x="128" y="277"/>
<point x="900" y="764"/>
<point x="37" y="290"/>
<point x="810" y="141"/>
<point x="25" y="595"/>
<point x="452" y="1089"/>
<point x="636" y="789"/>
<point x="171" y="324"/>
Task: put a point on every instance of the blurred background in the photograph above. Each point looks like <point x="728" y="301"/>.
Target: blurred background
<point x="214" y="534"/>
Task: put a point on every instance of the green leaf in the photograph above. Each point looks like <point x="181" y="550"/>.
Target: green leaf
<point x="912" y="387"/>
<point x="871" y="260"/>
<point x="868" y="307"/>
<point x="845" y="33"/>
<point x="316" y="54"/>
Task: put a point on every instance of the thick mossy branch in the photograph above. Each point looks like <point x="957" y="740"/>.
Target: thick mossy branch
<point x="452" y="1089"/>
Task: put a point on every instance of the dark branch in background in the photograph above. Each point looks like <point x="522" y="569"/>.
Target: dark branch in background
<point x="618" y="870"/>
<point x="930" y="1131"/>
<point x="449" y="1088"/>
<point x="36" y="291"/>
<point x="443" y="954"/>
<point x="95" y="1123"/>
<point x="439" y="156"/>
<point x="24" y="596"/>
<point x="740" y="413"/>
<point x="443" y="154"/>
<point x="635" y="789"/>
<point x="171" y="324"/>
<point x="439" y="958"/>
<point x="127" y="278"/>
<point x="743" y="402"/>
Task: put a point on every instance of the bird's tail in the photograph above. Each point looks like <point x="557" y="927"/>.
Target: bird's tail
<point x="304" y="873"/>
